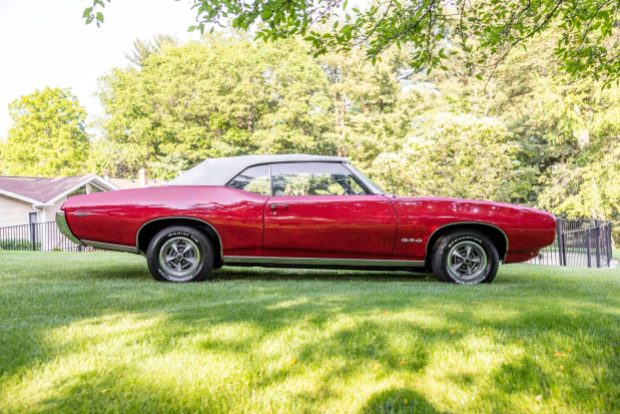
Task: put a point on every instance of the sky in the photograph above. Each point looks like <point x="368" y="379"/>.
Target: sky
<point x="46" y="43"/>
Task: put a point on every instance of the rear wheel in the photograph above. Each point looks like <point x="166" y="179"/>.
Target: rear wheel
<point x="465" y="257"/>
<point x="180" y="254"/>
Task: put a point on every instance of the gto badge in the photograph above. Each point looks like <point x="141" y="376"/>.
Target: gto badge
<point x="410" y="240"/>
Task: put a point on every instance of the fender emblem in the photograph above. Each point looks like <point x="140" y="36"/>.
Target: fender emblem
<point x="410" y="240"/>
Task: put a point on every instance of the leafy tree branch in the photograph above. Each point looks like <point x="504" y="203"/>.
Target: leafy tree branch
<point x="587" y="42"/>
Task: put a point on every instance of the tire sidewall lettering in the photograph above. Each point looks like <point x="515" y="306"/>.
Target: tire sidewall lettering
<point x="462" y="238"/>
<point x="183" y="234"/>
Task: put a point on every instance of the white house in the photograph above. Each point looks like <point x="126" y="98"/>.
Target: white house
<point x="25" y="200"/>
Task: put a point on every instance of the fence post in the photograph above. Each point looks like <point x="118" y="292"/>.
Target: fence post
<point x="33" y="236"/>
<point x="602" y="236"/>
<point x="563" y="252"/>
<point x="598" y="246"/>
<point x="610" y="240"/>
<point x="588" y="247"/>
<point x="558" y="229"/>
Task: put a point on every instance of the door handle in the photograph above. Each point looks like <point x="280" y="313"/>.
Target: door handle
<point x="275" y="206"/>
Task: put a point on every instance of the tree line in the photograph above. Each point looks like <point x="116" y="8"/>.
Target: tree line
<point x="530" y="134"/>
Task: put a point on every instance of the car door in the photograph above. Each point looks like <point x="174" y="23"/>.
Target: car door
<point x="322" y="210"/>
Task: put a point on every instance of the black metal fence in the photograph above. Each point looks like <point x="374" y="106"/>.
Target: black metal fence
<point x="37" y="236"/>
<point x="579" y="243"/>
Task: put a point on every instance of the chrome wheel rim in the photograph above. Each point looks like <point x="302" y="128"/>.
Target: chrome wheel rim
<point x="467" y="261"/>
<point x="179" y="257"/>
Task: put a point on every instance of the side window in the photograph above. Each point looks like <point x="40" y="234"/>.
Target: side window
<point x="314" y="178"/>
<point x="254" y="179"/>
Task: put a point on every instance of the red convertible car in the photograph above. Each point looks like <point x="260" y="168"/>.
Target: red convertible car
<point x="302" y="211"/>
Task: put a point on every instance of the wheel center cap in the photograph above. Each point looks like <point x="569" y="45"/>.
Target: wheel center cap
<point x="179" y="256"/>
<point x="467" y="261"/>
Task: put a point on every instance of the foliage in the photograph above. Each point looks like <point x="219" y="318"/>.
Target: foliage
<point x="586" y="186"/>
<point x="142" y="49"/>
<point x="370" y="106"/>
<point x="23" y="244"/>
<point x="92" y="332"/>
<point x="214" y="98"/>
<point x="458" y="156"/>
<point x="48" y="136"/>
<point x="485" y="31"/>
<point x="228" y="96"/>
<point x="570" y="131"/>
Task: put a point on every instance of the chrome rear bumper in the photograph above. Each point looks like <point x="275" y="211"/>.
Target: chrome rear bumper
<point x="61" y="222"/>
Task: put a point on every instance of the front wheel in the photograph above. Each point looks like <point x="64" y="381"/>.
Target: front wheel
<point x="180" y="254"/>
<point x="465" y="257"/>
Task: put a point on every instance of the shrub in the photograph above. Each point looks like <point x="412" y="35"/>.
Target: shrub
<point x="18" y="244"/>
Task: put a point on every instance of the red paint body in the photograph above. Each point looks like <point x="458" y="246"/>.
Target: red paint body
<point x="351" y="226"/>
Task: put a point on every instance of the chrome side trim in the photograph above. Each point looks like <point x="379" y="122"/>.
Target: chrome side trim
<point x="219" y="239"/>
<point x="479" y="223"/>
<point x="320" y="261"/>
<point x="110" y="246"/>
<point x="61" y="222"/>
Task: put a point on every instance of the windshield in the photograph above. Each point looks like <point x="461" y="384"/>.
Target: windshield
<point x="374" y="188"/>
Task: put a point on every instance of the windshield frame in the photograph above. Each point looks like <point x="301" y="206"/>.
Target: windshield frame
<point x="374" y="188"/>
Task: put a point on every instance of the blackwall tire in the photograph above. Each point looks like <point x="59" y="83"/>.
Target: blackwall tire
<point x="465" y="257"/>
<point x="180" y="254"/>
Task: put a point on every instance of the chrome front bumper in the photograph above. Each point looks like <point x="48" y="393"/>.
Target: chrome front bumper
<point x="61" y="222"/>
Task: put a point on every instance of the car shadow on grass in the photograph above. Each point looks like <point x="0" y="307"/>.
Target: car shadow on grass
<point x="135" y="269"/>
<point x="296" y="274"/>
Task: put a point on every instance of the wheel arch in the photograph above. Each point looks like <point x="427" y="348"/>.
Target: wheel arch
<point x="150" y="228"/>
<point x="497" y="236"/>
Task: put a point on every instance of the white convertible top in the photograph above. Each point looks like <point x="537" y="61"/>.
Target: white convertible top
<point x="219" y="171"/>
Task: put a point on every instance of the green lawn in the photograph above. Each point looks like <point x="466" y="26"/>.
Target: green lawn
<point x="92" y="332"/>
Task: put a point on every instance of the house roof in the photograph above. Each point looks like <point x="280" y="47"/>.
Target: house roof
<point x="219" y="171"/>
<point x="41" y="190"/>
